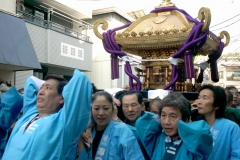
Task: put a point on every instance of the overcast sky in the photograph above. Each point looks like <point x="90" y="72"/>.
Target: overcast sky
<point x="221" y="10"/>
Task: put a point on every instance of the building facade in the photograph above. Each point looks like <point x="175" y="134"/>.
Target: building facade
<point x="63" y="40"/>
<point x="16" y="49"/>
<point x="229" y="70"/>
<point x="60" y="39"/>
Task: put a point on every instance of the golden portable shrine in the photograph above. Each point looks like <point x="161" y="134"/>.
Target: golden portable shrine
<point x="167" y="40"/>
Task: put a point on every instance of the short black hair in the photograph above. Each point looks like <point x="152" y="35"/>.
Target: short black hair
<point x="220" y="98"/>
<point x="155" y="102"/>
<point x="230" y="87"/>
<point x="62" y="81"/>
<point x="139" y="96"/>
<point x="177" y="100"/>
<point x="94" y="88"/>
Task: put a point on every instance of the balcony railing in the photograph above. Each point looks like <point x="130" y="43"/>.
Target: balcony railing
<point x="53" y="26"/>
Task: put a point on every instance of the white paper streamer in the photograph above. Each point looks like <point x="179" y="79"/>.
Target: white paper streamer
<point x="174" y="61"/>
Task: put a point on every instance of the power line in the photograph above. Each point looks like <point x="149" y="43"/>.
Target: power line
<point x="226" y="26"/>
<point x="225" y="21"/>
<point x="234" y="40"/>
<point x="236" y="49"/>
<point x="235" y="36"/>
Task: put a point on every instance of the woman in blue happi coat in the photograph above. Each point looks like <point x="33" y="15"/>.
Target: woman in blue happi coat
<point x="110" y="140"/>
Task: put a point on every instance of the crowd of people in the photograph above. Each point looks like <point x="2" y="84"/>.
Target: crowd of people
<point x="66" y="120"/>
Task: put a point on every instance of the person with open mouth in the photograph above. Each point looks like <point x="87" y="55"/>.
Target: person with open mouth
<point x="108" y="139"/>
<point x="170" y="136"/>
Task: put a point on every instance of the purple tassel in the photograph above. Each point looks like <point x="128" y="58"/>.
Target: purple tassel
<point x="186" y="67"/>
<point x="200" y="77"/>
<point x="214" y="71"/>
<point x="114" y="67"/>
<point x="190" y="58"/>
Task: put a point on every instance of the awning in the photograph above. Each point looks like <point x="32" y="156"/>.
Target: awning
<point x="16" y="48"/>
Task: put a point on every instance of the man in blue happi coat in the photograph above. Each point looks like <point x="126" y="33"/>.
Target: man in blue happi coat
<point x="212" y="103"/>
<point x="132" y="106"/>
<point x="170" y="136"/>
<point x="51" y="112"/>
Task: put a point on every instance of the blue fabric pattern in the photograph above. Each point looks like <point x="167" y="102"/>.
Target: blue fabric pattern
<point x="117" y="143"/>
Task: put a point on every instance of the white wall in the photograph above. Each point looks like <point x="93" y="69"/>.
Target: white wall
<point x="21" y="77"/>
<point x="8" y="5"/>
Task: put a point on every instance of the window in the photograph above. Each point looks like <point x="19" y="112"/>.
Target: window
<point x="233" y="75"/>
<point x="80" y="53"/>
<point x="64" y="49"/>
<point x="72" y="51"/>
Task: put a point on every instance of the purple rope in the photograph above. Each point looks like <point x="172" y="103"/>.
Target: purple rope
<point x="193" y="38"/>
<point x="187" y="72"/>
<point x="128" y="71"/>
<point x="112" y="46"/>
<point x="191" y="66"/>
<point x="116" y="46"/>
<point x="188" y="62"/>
<point x="187" y="46"/>
<point x="114" y="62"/>
<point x="173" y="72"/>
<point x="114" y="49"/>
<point x="172" y="83"/>
<point x="212" y="58"/>
<point x="106" y="43"/>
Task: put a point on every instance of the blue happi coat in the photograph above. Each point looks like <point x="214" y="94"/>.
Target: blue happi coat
<point x="134" y="130"/>
<point x="196" y="138"/>
<point x="226" y="140"/>
<point x="10" y="107"/>
<point x="117" y="143"/>
<point x="49" y="137"/>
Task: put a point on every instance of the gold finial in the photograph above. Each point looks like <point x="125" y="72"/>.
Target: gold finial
<point x="225" y="34"/>
<point x="165" y="3"/>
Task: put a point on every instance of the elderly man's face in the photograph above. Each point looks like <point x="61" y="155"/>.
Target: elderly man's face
<point x="131" y="107"/>
<point x="169" y="118"/>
